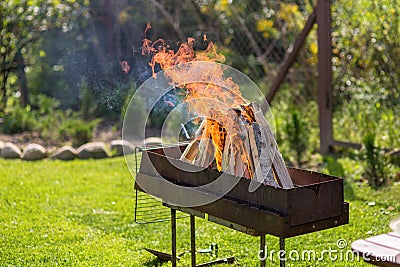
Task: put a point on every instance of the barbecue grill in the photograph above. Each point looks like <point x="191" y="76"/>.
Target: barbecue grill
<point x="315" y="203"/>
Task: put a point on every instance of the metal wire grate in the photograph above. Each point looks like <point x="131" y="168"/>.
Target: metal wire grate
<point x="149" y="209"/>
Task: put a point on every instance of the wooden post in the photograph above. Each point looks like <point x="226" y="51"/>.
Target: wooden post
<point x="325" y="74"/>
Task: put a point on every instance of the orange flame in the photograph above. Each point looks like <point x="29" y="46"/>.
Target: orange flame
<point x="218" y="125"/>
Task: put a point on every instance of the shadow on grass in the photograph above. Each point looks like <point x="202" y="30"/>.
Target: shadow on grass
<point x="335" y="168"/>
<point x="349" y="192"/>
<point x="154" y="263"/>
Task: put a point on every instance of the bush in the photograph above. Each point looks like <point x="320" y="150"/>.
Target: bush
<point x="44" y="104"/>
<point x="88" y="105"/>
<point x="48" y="116"/>
<point x="376" y="162"/>
<point x="18" y="120"/>
<point x="78" y="131"/>
<point x="45" y="118"/>
<point x="297" y="135"/>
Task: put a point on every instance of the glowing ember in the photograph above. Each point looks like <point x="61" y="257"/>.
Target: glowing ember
<point x="125" y="66"/>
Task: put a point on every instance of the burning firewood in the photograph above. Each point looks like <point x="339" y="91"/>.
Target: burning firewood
<point x="248" y="147"/>
<point x="234" y="136"/>
<point x="190" y="152"/>
<point x="258" y="141"/>
<point x="205" y="154"/>
<point x="278" y="163"/>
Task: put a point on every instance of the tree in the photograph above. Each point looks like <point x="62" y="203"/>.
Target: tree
<point x="22" y="24"/>
<point x="366" y="52"/>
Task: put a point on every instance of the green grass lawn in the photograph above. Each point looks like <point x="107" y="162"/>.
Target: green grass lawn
<point x="81" y="213"/>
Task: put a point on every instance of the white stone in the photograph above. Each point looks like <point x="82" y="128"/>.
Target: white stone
<point x="93" y="150"/>
<point x="395" y="152"/>
<point x="395" y="225"/>
<point x="152" y="141"/>
<point x="10" y="151"/>
<point x="34" y="152"/>
<point x="1" y="146"/>
<point x="119" y="147"/>
<point x="64" y="153"/>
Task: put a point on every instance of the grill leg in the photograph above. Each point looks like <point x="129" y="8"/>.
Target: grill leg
<point x="262" y="251"/>
<point x="193" y="240"/>
<point x="282" y="248"/>
<point x="173" y="231"/>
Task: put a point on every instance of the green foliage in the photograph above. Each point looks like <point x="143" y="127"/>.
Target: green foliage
<point x="52" y="124"/>
<point x="259" y="33"/>
<point x="23" y="23"/>
<point x="42" y="116"/>
<point x="61" y="48"/>
<point x="296" y="123"/>
<point x="352" y="122"/>
<point x="18" y="120"/>
<point x="376" y="162"/>
<point x="125" y="106"/>
<point x="366" y="78"/>
<point x="45" y="105"/>
<point x="297" y="134"/>
<point x="47" y="77"/>
<point x="88" y="105"/>
<point x="77" y="130"/>
<point x="48" y="116"/>
<point x="366" y="51"/>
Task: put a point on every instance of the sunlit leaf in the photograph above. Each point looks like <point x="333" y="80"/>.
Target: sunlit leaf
<point x="264" y="25"/>
<point x="314" y="48"/>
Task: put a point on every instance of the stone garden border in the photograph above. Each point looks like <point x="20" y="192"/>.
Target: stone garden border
<point x="91" y="150"/>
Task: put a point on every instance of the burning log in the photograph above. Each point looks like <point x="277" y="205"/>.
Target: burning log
<point x="228" y="163"/>
<point x="278" y="163"/>
<point x="205" y="152"/>
<point x="235" y="135"/>
<point x="259" y="149"/>
<point x="190" y="152"/>
<point x="241" y="143"/>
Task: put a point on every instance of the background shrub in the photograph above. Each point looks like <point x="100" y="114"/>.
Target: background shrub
<point x="18" y="120"/>
<point x="377" y="165"/>
<point x="78" y="131"/>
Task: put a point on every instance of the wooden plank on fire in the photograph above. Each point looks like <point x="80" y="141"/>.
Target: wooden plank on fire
<point x="226" y="155"/>
<point x="205" y="154"/>
<point x="278" y="163"/>
<point x="254" y="153"/>
<point x="246" y="153"/>
<point x="200" y="130"/>
<point x="262" y="163"/>
<point x="241" y="168"/>
<point x="240" y="163"/>
<point x="232" y="161"/>
<point x="190" y="152"/>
